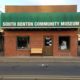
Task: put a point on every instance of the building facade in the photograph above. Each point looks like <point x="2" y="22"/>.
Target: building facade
<point x="40" y="30"/>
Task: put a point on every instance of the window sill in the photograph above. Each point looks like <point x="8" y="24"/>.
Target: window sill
<point x="24" y="49"/>
<point x="66" y="50"/>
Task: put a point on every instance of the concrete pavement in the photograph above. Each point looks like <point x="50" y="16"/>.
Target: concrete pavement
<point x="38" y="77"/>
<point x="39" y="59"/>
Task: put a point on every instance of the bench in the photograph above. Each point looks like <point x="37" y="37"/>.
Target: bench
<point x="36" y="50"/>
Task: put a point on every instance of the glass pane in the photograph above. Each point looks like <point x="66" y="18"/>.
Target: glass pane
<point x="48" y="41"/>
<point x="22" y="42"/>
<point x="64" y="42"/>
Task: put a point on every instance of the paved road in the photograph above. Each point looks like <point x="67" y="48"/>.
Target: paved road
<point x="62" y="68"/>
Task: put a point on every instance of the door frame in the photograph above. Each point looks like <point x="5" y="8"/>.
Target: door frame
<point x="46" y="47"/>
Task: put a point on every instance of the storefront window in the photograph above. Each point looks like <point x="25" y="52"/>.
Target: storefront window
<point x="78" y="43"/>
<point x="64" y="42"/>
<point x="22" y="42"/>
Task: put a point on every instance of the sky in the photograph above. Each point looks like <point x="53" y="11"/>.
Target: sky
<point x="38" y="2"/>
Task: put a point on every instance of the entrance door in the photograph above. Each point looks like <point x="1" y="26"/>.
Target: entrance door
<point x="48" y="46"/>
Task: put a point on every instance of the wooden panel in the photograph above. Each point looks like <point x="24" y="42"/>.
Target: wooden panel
<point x="55" y="8"/>
<point x="48" y="46"/>
<point x="36" y="50"/>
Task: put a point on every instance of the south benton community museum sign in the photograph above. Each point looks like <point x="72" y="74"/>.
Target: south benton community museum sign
<point x="40" y="24"/>
<point x="40" y="20"/>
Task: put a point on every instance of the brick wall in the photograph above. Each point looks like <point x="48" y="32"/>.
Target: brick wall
<point x="73" y="44"/>
<point x="37" y="41"/>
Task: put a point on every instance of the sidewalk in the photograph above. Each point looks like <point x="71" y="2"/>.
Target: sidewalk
<point x="39" y="59"/>
<point x="38" y="77"/>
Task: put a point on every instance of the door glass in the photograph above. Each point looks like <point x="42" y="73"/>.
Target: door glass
<point x="48" y="41"/>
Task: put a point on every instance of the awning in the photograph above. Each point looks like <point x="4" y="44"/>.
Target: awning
<point x="40" y="20"/>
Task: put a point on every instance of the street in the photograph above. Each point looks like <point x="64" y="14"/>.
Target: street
<point x="41" y="68"/>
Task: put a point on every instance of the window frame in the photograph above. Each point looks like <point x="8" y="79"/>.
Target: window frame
<point x="68" y="49"/>
<point x="28" y="43"/>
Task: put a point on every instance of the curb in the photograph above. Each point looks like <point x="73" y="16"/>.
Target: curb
<point x="39" y="77"/>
